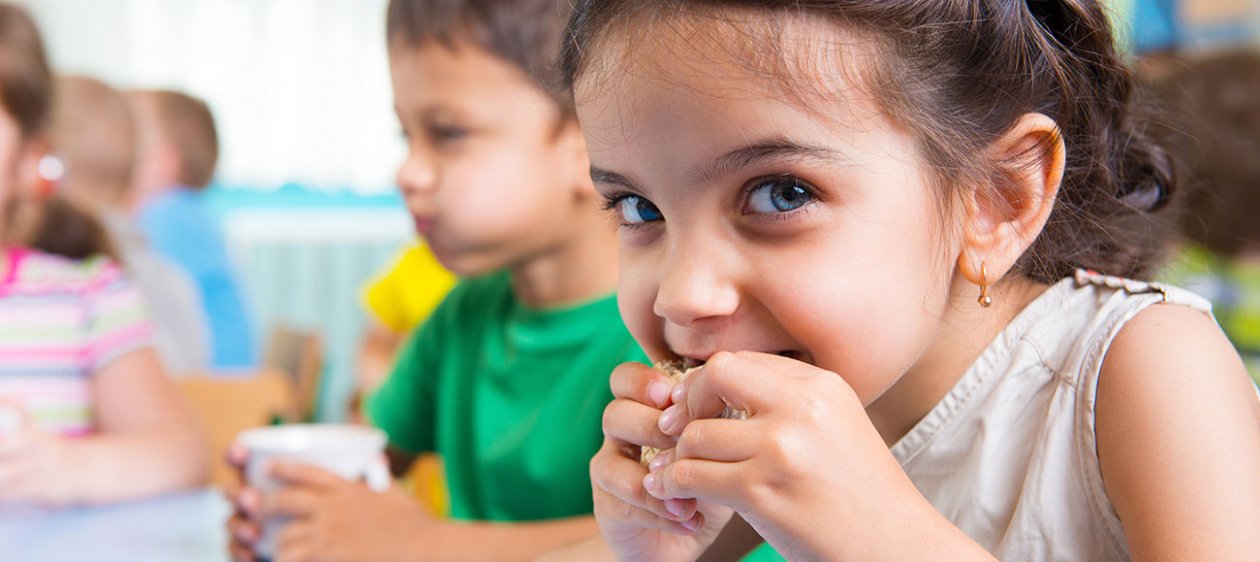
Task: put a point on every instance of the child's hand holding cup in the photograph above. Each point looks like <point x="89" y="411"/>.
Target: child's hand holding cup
<point x="352" y="452"/>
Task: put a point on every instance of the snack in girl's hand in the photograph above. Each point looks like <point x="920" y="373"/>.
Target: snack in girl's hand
<point x="678" y="372"/>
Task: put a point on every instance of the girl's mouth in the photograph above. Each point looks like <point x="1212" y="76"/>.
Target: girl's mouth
<point x="692" y="362"/>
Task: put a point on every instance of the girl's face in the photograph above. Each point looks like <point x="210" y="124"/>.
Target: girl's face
<point x="754" y="221"/>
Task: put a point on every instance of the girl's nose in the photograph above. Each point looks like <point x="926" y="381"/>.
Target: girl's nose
<point x="694" y="289"/>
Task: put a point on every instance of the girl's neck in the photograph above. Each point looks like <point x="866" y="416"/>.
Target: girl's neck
<point x="581" y="268"/>
<point x="966" y="331"/>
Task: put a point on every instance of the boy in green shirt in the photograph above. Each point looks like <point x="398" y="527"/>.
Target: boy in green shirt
<point x="508" y="380"/>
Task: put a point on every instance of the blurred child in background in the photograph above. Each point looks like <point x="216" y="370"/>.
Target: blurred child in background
<point x="93" y="133"/>
<point x="1215" y="134"/>
<point x="87" y="414"/>
<point x="177" y="149"/>
<point x="507" y="380"/>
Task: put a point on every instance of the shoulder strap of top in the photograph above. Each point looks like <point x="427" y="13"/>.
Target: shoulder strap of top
<point x="1119" y="301"/>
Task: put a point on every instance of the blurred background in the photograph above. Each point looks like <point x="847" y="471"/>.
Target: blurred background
<point x="300" y="93"/>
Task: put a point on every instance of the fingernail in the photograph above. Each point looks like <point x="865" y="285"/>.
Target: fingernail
<point x="649" y="482"/>
<point x="675" y="507"/>
<point x="692" y="524"/>
<point x="669" y="418"/>
<point x="679" y="392"/>
<point x="658" y="462"/>
<point x="658" y="392"/>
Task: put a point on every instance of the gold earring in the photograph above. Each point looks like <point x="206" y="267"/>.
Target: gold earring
<point x="985" y="300"/>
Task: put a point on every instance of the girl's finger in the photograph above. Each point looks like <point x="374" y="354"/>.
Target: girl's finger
<point x="718" y="482"/>
<point x="719" y="440"/>
<point x="641" y="383"/>
<point x="608" y="507"/>
<point x="634" y="422"/>
<point x="751" y="382"/>
<point x="621" y="479"/>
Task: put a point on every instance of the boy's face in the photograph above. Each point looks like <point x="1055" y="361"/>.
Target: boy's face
<point x="754" y="222"/>
<point x="154" y="168"/>
<point x="488" y="178"/>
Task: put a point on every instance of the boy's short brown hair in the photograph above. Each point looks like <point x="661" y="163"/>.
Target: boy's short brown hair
<point x="188" y="125"/>
<point x="94" y="134"/>
<point x="525" y="33"/>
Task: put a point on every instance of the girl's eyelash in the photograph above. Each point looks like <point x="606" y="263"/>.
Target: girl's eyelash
<point x="755" y="183"/>
<point x="611" y="200"/>
<point x="790" y="216"/>
<point x="611" y="203"/>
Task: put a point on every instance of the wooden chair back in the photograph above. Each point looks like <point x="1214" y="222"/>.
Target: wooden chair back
<point x="228" y="405"/>
<point x="299" y="354"/>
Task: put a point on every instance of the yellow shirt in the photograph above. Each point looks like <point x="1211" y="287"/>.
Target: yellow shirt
<point x="404" y="295"/>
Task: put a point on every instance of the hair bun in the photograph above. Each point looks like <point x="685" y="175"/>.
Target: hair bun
<point x="1150" y="187"/>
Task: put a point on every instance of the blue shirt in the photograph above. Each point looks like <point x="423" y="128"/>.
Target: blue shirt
<point x="1156" y="25"/>
<point x="177" y="226"/>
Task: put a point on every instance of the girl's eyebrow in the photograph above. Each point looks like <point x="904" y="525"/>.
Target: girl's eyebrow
<point x="756" y="153"/>
<point x="606" y="177"/>
<point x="777" y="148"/>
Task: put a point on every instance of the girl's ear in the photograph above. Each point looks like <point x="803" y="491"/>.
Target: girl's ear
<point x="33" y="151"/>
<point x="1006" y="215"/>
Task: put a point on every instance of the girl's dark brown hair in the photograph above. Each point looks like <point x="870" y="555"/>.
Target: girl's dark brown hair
<point x="959" y="73"/>
<point x="56" y="225"/>
<point x="525" y="33"/>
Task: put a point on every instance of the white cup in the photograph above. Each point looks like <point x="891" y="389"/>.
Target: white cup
<point x="349" y="451"/>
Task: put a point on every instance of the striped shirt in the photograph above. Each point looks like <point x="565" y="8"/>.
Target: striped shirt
<point x="61" y="321"/>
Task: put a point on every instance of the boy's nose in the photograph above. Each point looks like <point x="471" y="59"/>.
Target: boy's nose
<point x="694" y="289"/>
<point x="417" y="174"/>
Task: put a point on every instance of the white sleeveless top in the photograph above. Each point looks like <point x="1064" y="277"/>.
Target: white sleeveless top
<point x="1009" y="455"/>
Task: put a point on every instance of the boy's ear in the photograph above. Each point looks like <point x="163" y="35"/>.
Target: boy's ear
<point x="168" y="162"/>
<point x="1004" y="216"/>
<point x="574" y="158"/>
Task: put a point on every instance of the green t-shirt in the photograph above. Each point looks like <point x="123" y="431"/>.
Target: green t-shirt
<point x="763" y="553"/>
<point x="510" y="397"/>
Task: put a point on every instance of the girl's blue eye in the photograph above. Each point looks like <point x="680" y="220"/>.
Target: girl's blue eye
<point x="637" y="210"/>
<point x="779" y="195"/>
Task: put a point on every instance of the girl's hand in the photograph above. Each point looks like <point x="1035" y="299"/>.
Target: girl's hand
<point x="34" y="465"/>
<point x="807" y="469"/>
<point x="635" y="525"/>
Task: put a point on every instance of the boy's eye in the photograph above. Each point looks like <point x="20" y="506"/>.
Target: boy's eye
<point x="637" y="210"/>
<point x="447" y="133"/>
<point x="779" y="195"/>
